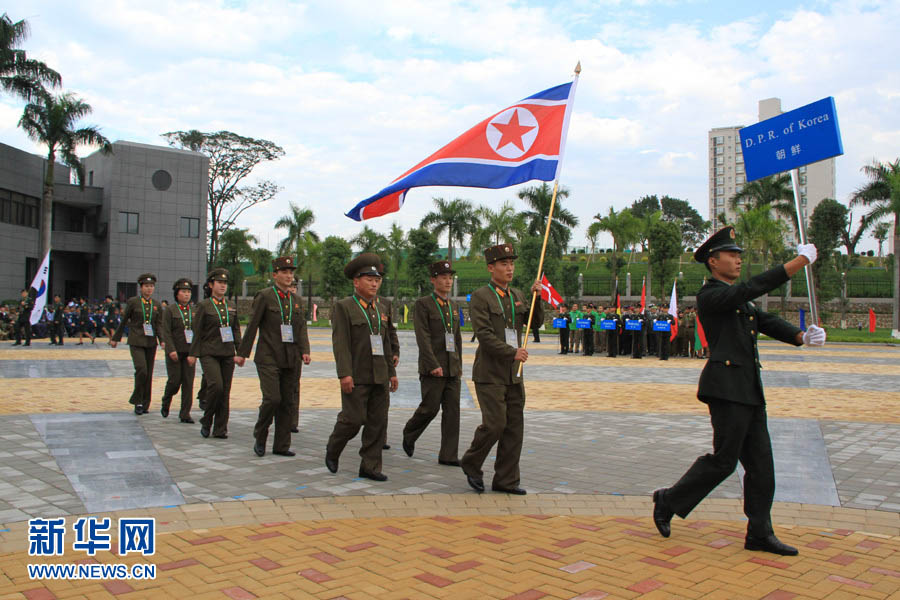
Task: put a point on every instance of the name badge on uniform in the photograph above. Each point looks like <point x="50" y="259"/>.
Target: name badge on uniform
<point x="189" y="336"/>
<point x="287" y="333"/>
<point x="511" y="338"/>
<point x="449" y="342"/>
<point x="227" y="334"/>
<point x="377" y="345"/>
<point x="148" y="329"/>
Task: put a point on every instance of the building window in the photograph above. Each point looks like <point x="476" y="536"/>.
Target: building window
<point x="17" y="209"/>
<point x="739" y="169"/>
<point x="720" y="139"/>
<point x="738" y="189"/>
<point x="161" y="180"/>
<point x="90" y="178"/>
<point x="190" y="227"/>
<point x="739" y="179"/>
<point x="125" y="290"/>
<point x="720" y="160"/>
<point x="128" y="222"/>
<point x="802" y="169"/>
<point x="720" y="191"/>
<point x="720" y="180"/>
<point x="739" y="159"/>
<point x="720" y="170"/>
<point x="720" y="150"/>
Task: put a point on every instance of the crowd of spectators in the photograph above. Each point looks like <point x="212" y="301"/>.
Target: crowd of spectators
<point x="81" y="318"/>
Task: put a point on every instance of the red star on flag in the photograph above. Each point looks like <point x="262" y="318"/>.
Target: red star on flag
<point x="512" y="132"/>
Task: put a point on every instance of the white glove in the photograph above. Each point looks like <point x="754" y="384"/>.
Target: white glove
<point x="809" y="251"/>
<point x="814" y="336"/>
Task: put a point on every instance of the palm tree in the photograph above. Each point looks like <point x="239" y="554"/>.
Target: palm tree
<point x="593" y="232"/>
<point x="234" y="246"/>
<point x="622" y="226"/>
<point x="369" y="240"/>
<point x="50" y="121"/>
<point x="397" y="245"/>
<point x="759" y="234"/>
<point x="498" y="226"/>
<point x="20" y="75"/>
<point x="775" y="191"/>
<point x="882" y="196"/>
<point x="299" y="234"/>
<point x="538" y="197"/>
<point x="880" y="233"/>
<point x="457" y="217"/>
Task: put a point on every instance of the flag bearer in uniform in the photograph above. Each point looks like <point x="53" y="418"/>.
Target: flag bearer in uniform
<point x="142" y="316"/>
<point x="361" y="343"/>
<point x="731" y="386"/>
<point x="499" y="314"/>
<point x="177" y="334"/>
<point x="217" y="333"/>
<point x="283" y="343"/>
<point x="440" y="366"/>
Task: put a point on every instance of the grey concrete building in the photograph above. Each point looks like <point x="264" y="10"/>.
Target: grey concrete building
<point x="143" y="209"/>
<point x="727" y="176"/>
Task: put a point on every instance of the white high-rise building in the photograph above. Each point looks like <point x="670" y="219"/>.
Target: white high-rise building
<point x="727" y="176"/>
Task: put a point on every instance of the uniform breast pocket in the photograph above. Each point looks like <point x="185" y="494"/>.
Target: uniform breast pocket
<point x="358" y="319"/>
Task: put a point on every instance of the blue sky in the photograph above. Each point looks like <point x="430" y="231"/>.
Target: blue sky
<point x="357" y="92"/>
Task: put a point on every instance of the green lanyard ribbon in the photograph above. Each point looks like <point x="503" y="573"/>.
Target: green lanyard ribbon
<point x="512" y="306"/>
<point x="219" y="312"/>
<point x="366" y="315"/>
<point x="441" y="312"/>
<point x="290" y="306"/>
<point x="189" y="324"/>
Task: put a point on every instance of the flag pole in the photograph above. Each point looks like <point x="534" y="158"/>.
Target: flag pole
<point x="540" y="270"/>
<point x="801" y="229"/>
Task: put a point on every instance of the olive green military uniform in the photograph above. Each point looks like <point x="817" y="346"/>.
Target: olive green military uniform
<point x="354" y="322"/>
<point x="23" y="322"/>
<point x="435" y="319"/>
<point x="500" y="391"/>
<point x="277" y="358"/>
<point x="57" y="331"/>
<point x="140" y="312"/>
<point x="177" y="334"/>
<point x="216" y="358"/>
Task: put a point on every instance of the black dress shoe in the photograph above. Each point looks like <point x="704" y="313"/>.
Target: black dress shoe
<point x="449" y="463"/>
<point x="164" y="411"/>
<point x="221" y="436"/>
<point x="204" y="431"/>
<point x="332" y="464"/>
<point x="284" y="452"/>
<point x="477" y="483"/>
<point x="294" y="430"/>
<point x="662" y="514"/>
<point x="516" y="490"/>
<point x="769" y="543"/>
<point x="409" y="448"/>
<point x="259" y="449"/>
<point x="386" y="447"/>
<point x="372" y="476"/>
<point x="139" y="410"/>
<point x="188" y="420"/>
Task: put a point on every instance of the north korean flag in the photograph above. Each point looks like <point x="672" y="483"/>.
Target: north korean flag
<point x="522" y="142"/>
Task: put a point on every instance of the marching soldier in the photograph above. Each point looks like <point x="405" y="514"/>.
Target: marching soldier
<point x="440" y="366"/>
<point x="23" y="322"/>
<point x="55" y="316"/>
<point x="731" y="386"/>
<point x="142" y="317"/>
<point x="283" y="343"/>
<point x="361" y="342"/>
<point x="178" y="334"/>
<point x="499" y="314"/>
<point x="217" y="332"/>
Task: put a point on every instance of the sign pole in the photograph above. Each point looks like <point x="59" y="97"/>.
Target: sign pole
<point x="801" y="229"/>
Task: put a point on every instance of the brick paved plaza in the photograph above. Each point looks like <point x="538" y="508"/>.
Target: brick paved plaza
<point x="601" y="434"/>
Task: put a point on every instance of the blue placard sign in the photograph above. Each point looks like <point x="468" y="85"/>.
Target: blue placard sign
<point x="608" y="324"/>
<point x="632" y="325"/>
<point x="560" y="323"/>
<point x="799" y="137"/>
<point x="468" y="297"/>
<point x="582" y="324"/>
<point x="662" y="326"/>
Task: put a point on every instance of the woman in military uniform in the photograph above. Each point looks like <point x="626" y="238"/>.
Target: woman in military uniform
<point x="217" y="333"/>
<point x="142" y="317"/>
<point x="178" y="333"/>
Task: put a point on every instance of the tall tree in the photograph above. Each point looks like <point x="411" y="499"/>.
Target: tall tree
<point x="592" y="234"/>
<point x="826" y="226"/>
<point x="397" y="246"/>
<point x="538" y="198"/>
<point x="665" y="246"/>
<point x="880" y="232"/>
<point x="236" y="246"/>
<point x="299" y="235"/>
<point x="759" y="234"/>
<point x="336" y="253"/>
<point x="622" y="226"/>
<point x="369" y="240"/>
<point x="693" y="227"/>
<point x="503" y="225"/>
<point x="850" y="239"/>
<point x="20" y="75"/>
<point x="423" y="247"/>
<point x="882" y="196"/>
<point x="775" y="191"/>
<point x="232" y="158"/>
<point x="647" y="210"/>
<point x="457" y="217"/>
<point x="50" y="120"/>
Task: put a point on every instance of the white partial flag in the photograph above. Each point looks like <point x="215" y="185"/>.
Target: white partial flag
<point x="41" y="279"/>
<point x="673" y="310"/>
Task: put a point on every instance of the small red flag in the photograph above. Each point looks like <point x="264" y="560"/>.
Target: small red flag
<point x="701" y="335"/>
<point x="644" y="296"/>
<point x="549" y="293"/>
<point x="871" y="321"/>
